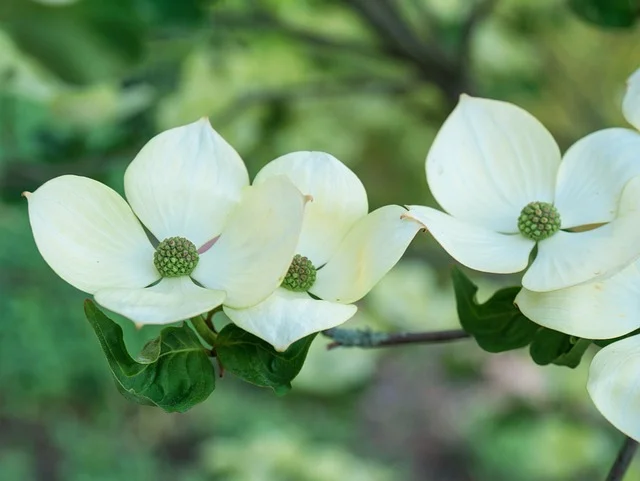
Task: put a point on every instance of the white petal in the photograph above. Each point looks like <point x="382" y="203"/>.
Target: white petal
<point x="614" y="384"/>
<point x="172" y="299"/>
<point x="570" y="258"/>
<point x="631" y="102"/>
<point x="489" y="160"/>
<point x="285" y="316"/>
<point x="367" y="253"/>
<point x="257" y="244"/>
<point x="597" y="310"/>
<point x="339" y="199"/>
<point x="592" y="175"/>
<point x="184" y="182"/>
<point x="473" y="246"/>
<point x="88" y="235"/>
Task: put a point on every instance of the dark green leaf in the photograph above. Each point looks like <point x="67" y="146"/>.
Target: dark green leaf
<point x="256" y="361"/>
<point x="497" y="325"/>
<point x="607" y="13"/>
<point x="173" y="370"/>
<point x="170" y="12"/>
<point x="606" y="342"/>
<point x="553" y="347"/>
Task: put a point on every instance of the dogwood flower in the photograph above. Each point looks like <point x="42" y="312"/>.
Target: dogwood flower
<point x="499" y="174"/>
<point x="604" y="309"/>
<point x="220" y="240"/>
<point x="341" y="254"/>
<point x="611" y="307"/>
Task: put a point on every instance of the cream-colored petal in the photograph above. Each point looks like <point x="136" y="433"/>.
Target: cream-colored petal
<point x="257" y="244"/>
<point x="570" y="258"/>
<point x="489" y="160"/>
<point x="474" y="246"/>
<point x="184" y="182"/>
<point x="593" y="174"/>
<point x="172" y="299"/>
<point x="614" y="384"/>
<point x="597" y="310"/>
<point x="88" y="235"/>
<point x="339" y="199"/>
<point x="285" y="316"/>
<point x="371" y="248"/>
<point x="631" y="102"/>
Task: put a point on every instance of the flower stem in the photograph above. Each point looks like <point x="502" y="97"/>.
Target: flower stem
<point x="365" y="338"/>
<point x="623" y="460"/>
<point x="200" y="325"/>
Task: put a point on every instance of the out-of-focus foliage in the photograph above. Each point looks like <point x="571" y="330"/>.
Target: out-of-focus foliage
<point x="608" y="13"/>
<point x="85" y="83"/>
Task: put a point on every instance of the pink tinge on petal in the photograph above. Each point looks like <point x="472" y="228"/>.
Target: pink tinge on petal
<point x="208" y="245"/>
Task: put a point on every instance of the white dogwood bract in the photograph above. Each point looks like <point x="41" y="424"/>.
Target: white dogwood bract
<point x="631" y="102"/>
<point x="189" y="183"/>
<point x="350" y="249"/>
<point x="607" y="308"/>
<point x="613" y="384"/>
<point x="490" y="159"/>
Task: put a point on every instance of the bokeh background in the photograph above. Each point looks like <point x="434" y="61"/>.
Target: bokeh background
<point x="84" y="84"/>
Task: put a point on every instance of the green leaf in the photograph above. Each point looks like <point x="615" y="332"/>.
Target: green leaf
<point x="553" y="347"/>
<point x="173" y="371"/>
<point x="497" y="325"/>
<point x="606" y="342"/>
<point x="85" y="42"/>
<point x="171" y="13"/>
<point x="256" y="361"/>
<point x="607" y="13"/>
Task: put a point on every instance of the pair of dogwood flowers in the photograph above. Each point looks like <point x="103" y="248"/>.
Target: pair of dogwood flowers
<point x="290" y="254"/>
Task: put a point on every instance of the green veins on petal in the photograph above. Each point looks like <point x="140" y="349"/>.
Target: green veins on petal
<point x="539" y="220"/>
<point x="300" y="276"/>
<point x="175" y="257"/>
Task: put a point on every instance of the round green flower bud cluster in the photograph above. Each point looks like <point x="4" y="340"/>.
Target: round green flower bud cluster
<point x="539" y="220"/>
<point x="300" y="276"/>
<point x="175" y="257"/>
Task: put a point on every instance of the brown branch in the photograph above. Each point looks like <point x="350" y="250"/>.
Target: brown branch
<point x="623" y="460"/>
<point x="365" y="338"/>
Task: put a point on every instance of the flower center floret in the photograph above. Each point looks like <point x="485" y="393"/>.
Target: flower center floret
<point x="175" y="257"/>
<point x="300" y="276"/>
<point x="539" y="220"/>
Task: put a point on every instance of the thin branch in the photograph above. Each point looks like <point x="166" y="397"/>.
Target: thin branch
<point x="623" y="460"/>
<point x="200" y="325"/>
<point x="400" y="41"/>
<point x="365" y="338"/>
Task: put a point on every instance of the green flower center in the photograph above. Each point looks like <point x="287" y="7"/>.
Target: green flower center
<point x="539" y="220"/>
<point x="175" y="257"/>
<point x="300" y="276"/>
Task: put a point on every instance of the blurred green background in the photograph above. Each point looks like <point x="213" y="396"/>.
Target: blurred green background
<point x="84" y="84"/>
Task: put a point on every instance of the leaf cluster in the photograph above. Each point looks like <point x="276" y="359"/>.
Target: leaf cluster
<point x="175" y="371"/>
<point x="498" y="325"/>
